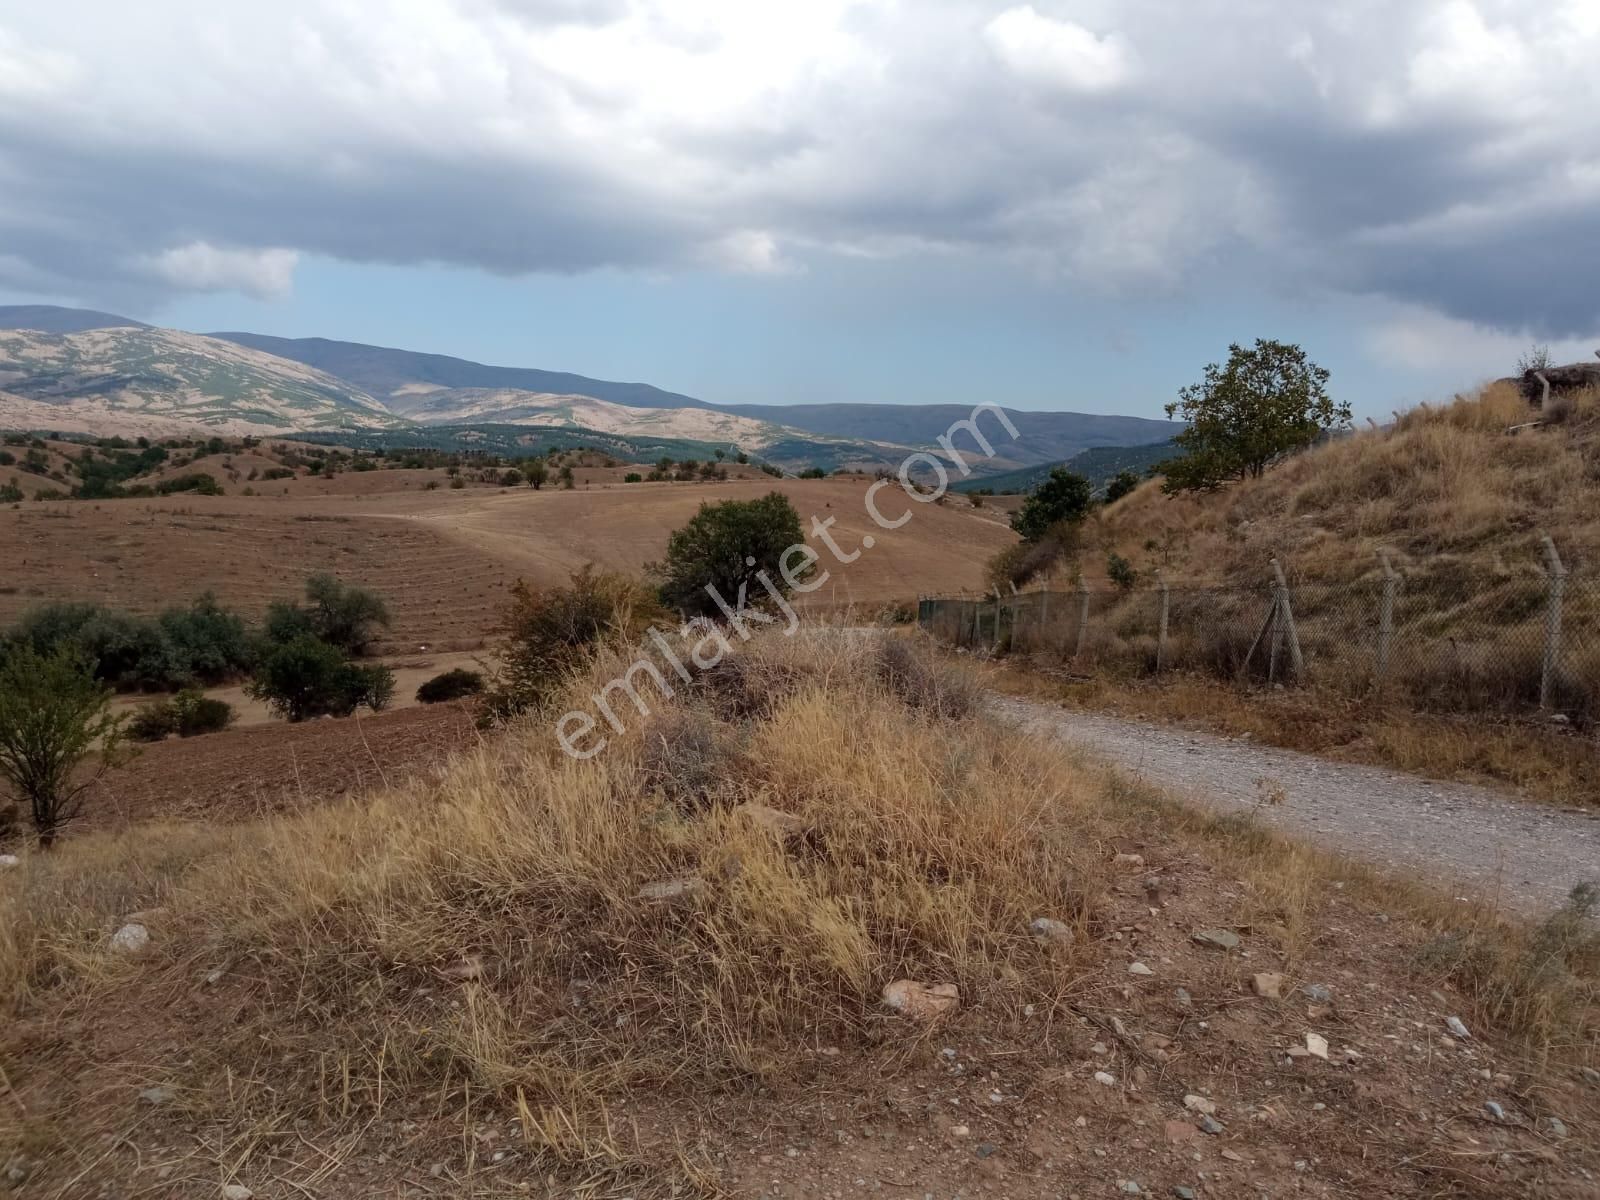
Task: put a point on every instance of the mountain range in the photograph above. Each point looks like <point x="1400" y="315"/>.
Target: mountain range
<point x="76" y="370"/>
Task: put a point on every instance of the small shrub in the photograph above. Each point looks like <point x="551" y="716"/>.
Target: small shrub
<point x="1121" y="573"/>
<point x="813" y="473"/>
<point x="633" y="477"/>
<point x="152" y="722"/>
<point x="552" y="632"/>
<point x="200" y="483"/>
<point x="450" y="685"/>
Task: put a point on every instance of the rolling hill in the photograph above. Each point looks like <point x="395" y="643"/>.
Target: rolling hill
<point x="1098" y="466"/>
<point x="403" y="379"/>
<point x="141" y="380"/>
<point x="124" y="377"/>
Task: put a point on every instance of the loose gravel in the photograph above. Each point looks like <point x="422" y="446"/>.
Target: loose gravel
<point x="1476" y="840"/>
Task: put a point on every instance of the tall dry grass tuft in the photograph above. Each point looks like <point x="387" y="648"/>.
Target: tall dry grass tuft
<point x="562" y="930"/>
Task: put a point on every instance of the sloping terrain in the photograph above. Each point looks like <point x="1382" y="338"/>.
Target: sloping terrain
<point x="1476" y="481"/>
<point x="397" y="377"/>
<point x="814" y="928"/>
<point x="1043" y="437"/>
<point x="1098" y="466"/>
<point x="159" y="381"/>
<point x="52" y="318"/>
<point x="445" y="559"/>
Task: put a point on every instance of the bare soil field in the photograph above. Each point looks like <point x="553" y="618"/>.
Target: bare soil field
<point x="445" y="559"/>
<point x="262" y="769"/>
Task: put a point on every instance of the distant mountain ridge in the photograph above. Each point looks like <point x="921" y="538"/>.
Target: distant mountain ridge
<point x="383" y="387"/>
<point x="403" y="378"/>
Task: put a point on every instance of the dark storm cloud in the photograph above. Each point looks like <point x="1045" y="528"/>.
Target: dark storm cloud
<point x="1439" y="152"/>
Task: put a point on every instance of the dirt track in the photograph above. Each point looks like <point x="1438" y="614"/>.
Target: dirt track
<point x="1478" y="840"/>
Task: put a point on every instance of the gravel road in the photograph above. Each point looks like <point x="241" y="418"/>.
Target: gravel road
<point x="1475" y="839"/>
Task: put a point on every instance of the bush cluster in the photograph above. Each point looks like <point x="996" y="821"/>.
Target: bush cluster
<point x="190" y="713"/>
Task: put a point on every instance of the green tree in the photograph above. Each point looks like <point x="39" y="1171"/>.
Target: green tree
<point x="724" y="546"/>
<point x="310" y="678"/>
<point x="1062" y="497"/>
<point x="344" y="616"/>
<point x="53" y="714"/>
<point x="535" y="472"/>
<point x="1264" y="403"/>
<point x="1120" y="485"/>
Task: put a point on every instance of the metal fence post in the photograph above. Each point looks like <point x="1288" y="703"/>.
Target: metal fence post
<point x="1083" y="615"/>
<point x="1391" y="581"/>
<point x="1161" y="629"/>
<point x="1552" y="622"/>
<point x="1285" y="619"/>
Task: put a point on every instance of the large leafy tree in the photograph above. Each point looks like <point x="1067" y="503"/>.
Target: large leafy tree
<point x="309" y="678"/>
<point x="1262" y="404"/>
<point x="1062" y="497"/>
<point x="724" y="546"/>
<point x="53" y="715"/>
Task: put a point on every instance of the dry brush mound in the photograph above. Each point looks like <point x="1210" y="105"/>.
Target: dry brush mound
<point x="646" y="971"/>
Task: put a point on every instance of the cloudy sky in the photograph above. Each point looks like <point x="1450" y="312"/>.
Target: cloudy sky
<point x="1067" y="204"/>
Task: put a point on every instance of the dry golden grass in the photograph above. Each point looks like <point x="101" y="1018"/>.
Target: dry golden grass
<point x="488" y="941"/>
<point x="1442" y="485"/>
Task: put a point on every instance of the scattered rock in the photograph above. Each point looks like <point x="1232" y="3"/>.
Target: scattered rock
<point x="1218" y="939"/>
<point x="778" y="823"/>
<point x="1591" y="1076"/>
<point x="1183" y="1193"/>
<point x="1050" y="930"/>
<point x="1105" y="1078"/>
<point x="1268" y="985"/>
<point x="919" y="1001"/>
<point x="236" y="1191"/>
<point x="132" y="938"/>
<point x="681" y="888"/>
<point x="1181" y="995"/>
<point x="1210" y="1125"/>
<point x="1129" y="1187"/>
<point x="1317" y="1045"/>
<point x="8" y="861"/>
<point x="17" y="1172"/>
<point x="1199" y="1104"/>
<point x="1318" y="993"/>
<point x="1495" y="1111"/>
<point x="1556" y="1126"/>
<point x="959" y="1131"/>
<point x="985" y="1149"/>
<point x="1454" y="1025"/>
<point x="1129" y="862"/>
<point x="1138" y="968"/>
<point x="156" y="1095"/>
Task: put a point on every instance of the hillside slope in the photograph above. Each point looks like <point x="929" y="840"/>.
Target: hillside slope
<point x="1441" y="487"/>
<point x="395" y="376"/>
<point x="142" y="380"/>
<point x="1098" y="466"/>
<point x="1042" y="437"/>
<point x="52" y="318"/>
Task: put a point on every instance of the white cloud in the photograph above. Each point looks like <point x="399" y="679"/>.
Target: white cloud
<point x="202" y="267"/>
<point x="1416" y="339"/>
<point x="1442" y="153"/>
<point x="1058" y="54"/>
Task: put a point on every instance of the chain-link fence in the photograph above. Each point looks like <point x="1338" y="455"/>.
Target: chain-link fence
<point x="1457" y="638"/>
